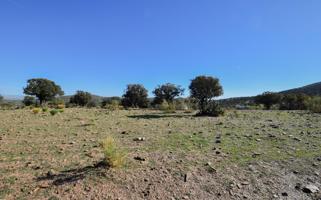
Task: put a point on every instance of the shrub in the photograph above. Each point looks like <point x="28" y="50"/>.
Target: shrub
<point x="29" y="100"/>
<point x="314" y="105"/>
<point x="268" y="99"/>
<point x="36" y="110"/>
<point x="56" y="102"/>
<point x="110" y="100"/>
<point x="113" y="105"/>
<point x="166" y="107"/>
<point x="294" y="102"/>
<point x="92" y="104"/>
<point x="180" y="104"/>
<point x="212" y="109"/>
<point x="54" y="112"/>
<point x="114" y="156"/>
<point x="44" y="109"/>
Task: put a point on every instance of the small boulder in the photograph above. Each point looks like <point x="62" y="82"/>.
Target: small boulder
<point x="310" y="189"/>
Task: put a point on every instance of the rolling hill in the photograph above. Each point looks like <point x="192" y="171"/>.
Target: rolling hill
<point x="312" y="90"/>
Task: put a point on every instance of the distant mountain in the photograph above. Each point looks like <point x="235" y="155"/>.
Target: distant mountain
<point x="12" y="97"/>
<point x="312" y="90"/>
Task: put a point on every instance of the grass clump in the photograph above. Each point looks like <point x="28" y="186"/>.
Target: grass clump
<point x="115" y="157"/>
<point x="314" y="105"/>
<point x="44" y="109"/>
<point x="167" y="107"/>
<point x="36" y="110"/>
<point x="54" y="112"/>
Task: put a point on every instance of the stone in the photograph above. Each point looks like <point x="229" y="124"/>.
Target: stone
<point x="51" y="172"/>
<point x="285" y="194"/>
<point x="139" y="139"/>
<point x="139" y="158"/>
<point x="310" y="189"/>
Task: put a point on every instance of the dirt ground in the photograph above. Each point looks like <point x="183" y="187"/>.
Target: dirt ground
<point x="242" y="155"/>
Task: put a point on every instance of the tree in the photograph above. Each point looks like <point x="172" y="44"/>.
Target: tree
<point x="204" y="89"/>
<point x="29" y="100"/>
<point x="167" y="92"/>
<point x="81" y="98"/>
<point x="268" y="99"/>
<point x="43" y="89"/>
<point x="294" y="102"/>
<point x="135" y="96"/>
<point x="110" y="101"/>
<point x="1" y="98"/>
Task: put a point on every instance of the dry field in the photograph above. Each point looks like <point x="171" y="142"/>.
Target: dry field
<point x="243" y="155"/>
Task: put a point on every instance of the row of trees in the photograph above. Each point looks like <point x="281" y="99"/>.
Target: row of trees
<point x="203" y="90"/>
<point x="283" y="101"/>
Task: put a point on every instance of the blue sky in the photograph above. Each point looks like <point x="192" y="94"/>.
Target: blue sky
<point x="102" y="45"/>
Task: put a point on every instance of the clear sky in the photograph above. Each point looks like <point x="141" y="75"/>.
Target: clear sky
<point x="102" y="45"/>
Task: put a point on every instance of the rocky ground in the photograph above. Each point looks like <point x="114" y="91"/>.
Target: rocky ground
<point x="243" y="155"/>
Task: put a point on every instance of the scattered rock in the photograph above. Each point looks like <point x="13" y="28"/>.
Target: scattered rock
<point x="245" y="183"/>
<point x="139" y="158"/>
<point x="139" y="139"/>
<point x="44" y="185"/>
<point x="186" y="177"/>
<point x="285" y="194"/>
<point x="256" y="154"/>
<point x="51" y="173"/>
<point x="310" y="189"/>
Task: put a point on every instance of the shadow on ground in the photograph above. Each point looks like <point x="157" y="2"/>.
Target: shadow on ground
<point x="158" y="116"/>
<point x="73" y="175"/>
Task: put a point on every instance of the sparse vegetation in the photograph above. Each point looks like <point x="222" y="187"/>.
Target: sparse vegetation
<point x="54" y="112"/>
<point x="115" y="157"/>
<point x="36" y="110"/>
<point x="314" y="105"/>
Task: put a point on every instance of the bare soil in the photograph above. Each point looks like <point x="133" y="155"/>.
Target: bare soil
<point x="242" y="155"/>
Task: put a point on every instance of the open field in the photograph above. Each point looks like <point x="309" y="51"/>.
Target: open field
<point x="243" y="155"/>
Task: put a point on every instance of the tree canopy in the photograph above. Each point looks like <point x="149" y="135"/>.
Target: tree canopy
<point x="43" y="89"/>
<point x="167" y="92"/>
<point x="135" y="96"/>
<point x="81" y="98"/>
<point x="204" y="89"/>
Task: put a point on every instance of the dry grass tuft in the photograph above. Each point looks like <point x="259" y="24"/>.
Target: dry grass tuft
<point x="115" y="157"/>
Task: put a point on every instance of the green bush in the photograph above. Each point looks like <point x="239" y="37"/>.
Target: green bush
<point x="54" y="112"/>
<point x="167" y="107"/>
<point x="314" y="105"/>
<point x="113" y="105"/>
<point x="44" y="109"/>
<point x="29" y="100"/>
<point x="212" y="109"/>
